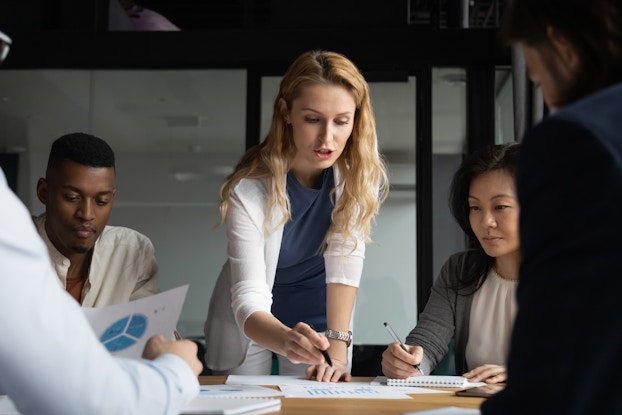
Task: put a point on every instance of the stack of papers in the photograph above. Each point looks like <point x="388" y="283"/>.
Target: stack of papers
<point x="234" y="400"/>
<point x="231" y="406"/>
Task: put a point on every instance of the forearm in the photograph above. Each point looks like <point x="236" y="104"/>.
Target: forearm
<point x="266" y="330"/>
<point x="340" y="300"/>
<point x="436" y="325"/>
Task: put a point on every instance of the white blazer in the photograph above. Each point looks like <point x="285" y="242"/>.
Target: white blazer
<point x="245" y="283"/>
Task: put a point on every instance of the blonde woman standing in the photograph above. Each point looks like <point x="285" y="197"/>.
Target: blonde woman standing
<point x="299" y="208"/>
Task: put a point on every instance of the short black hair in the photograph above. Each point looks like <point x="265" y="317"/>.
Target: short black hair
<point x="81" y="148"/>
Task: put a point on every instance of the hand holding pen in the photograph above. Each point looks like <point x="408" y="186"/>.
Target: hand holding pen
<point x="402" y="346"/>
<point x="333" y="371"/>
<point x="324" y="352"/>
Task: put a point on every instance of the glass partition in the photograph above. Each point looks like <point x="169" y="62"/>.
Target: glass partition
<point x="504" y="106"/>
<point x="448" y="146"/>
<point x="176" y="135"/>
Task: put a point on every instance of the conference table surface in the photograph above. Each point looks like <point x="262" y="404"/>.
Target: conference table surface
<point x="342" y="406"/>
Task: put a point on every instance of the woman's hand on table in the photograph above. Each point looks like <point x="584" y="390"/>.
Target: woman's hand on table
<point x="487" y="373"/>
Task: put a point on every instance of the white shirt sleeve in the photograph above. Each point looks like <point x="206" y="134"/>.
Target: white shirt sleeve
<point x="50" y="360"/>
<point x="344" y="260"/>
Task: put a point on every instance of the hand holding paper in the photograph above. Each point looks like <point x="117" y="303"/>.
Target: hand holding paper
<point x="157" y="345"/>
<point x="125" y="328"/>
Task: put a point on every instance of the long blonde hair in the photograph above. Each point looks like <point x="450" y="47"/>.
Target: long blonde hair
<point x="363" y="173"/>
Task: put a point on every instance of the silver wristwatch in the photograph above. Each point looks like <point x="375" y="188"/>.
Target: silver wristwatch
<point x="345" y="336"/>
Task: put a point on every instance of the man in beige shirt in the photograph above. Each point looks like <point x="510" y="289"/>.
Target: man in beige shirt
<point x="97" y="264"/>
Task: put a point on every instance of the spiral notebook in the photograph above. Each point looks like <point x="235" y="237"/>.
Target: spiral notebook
<point x="438" y="381"/>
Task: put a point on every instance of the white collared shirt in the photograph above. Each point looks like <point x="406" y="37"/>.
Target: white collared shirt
<point x="50" y="360"/>
<point x="123" y="266"/>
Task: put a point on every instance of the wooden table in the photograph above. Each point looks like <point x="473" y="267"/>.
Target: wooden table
<point x="341" y="406"/>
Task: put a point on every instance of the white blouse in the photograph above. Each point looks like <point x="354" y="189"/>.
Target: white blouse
<point x="490" y="326"/>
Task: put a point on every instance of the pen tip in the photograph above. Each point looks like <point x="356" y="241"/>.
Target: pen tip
<point x="385" y="323"/>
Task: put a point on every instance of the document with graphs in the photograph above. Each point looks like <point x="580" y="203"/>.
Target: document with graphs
<point x="125" y="328"/>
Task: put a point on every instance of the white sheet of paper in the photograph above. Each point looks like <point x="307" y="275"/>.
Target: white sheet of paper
<point x="449" y="410"/>
<point x="282" y="381"/>
<point x="351" y="390"/>
<point x="125" y="328"/>
<point x="267" y="380"/>
<point x="238" y="391"/>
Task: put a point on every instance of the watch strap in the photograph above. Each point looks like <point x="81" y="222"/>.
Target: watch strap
<point x="345" y="336"/>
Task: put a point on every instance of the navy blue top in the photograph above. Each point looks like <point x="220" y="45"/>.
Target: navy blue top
<point x="299" y="292"/>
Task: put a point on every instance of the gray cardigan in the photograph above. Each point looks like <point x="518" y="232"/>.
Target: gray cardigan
<point x="446" y="316"/>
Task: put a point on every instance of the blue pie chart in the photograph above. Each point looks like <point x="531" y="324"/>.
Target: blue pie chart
<point x="124" y="332"/>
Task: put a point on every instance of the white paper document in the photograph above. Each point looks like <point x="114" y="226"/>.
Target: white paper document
<point x="238" y="391"/>
<point x="449" y="410"/>
<point x="300" y="387"/>
<point x="125" y="328"/>
<point x="352" y="390"/>
<point x="267" y="380"/>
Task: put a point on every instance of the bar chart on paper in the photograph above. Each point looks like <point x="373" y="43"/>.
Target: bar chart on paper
<point x="341" y="390"/>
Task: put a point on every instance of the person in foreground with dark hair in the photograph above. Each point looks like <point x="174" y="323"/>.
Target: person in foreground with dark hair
<point x="473" y="298"/>
<point x="565" y="355"/>
<point x="99" y="265"/>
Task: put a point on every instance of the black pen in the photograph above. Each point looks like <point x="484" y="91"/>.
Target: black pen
<point x="397" y="339"/>
<point x="324" y="352"/>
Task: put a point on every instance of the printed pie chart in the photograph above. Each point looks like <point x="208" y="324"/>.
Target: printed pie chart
<point x="124" y="332"/>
